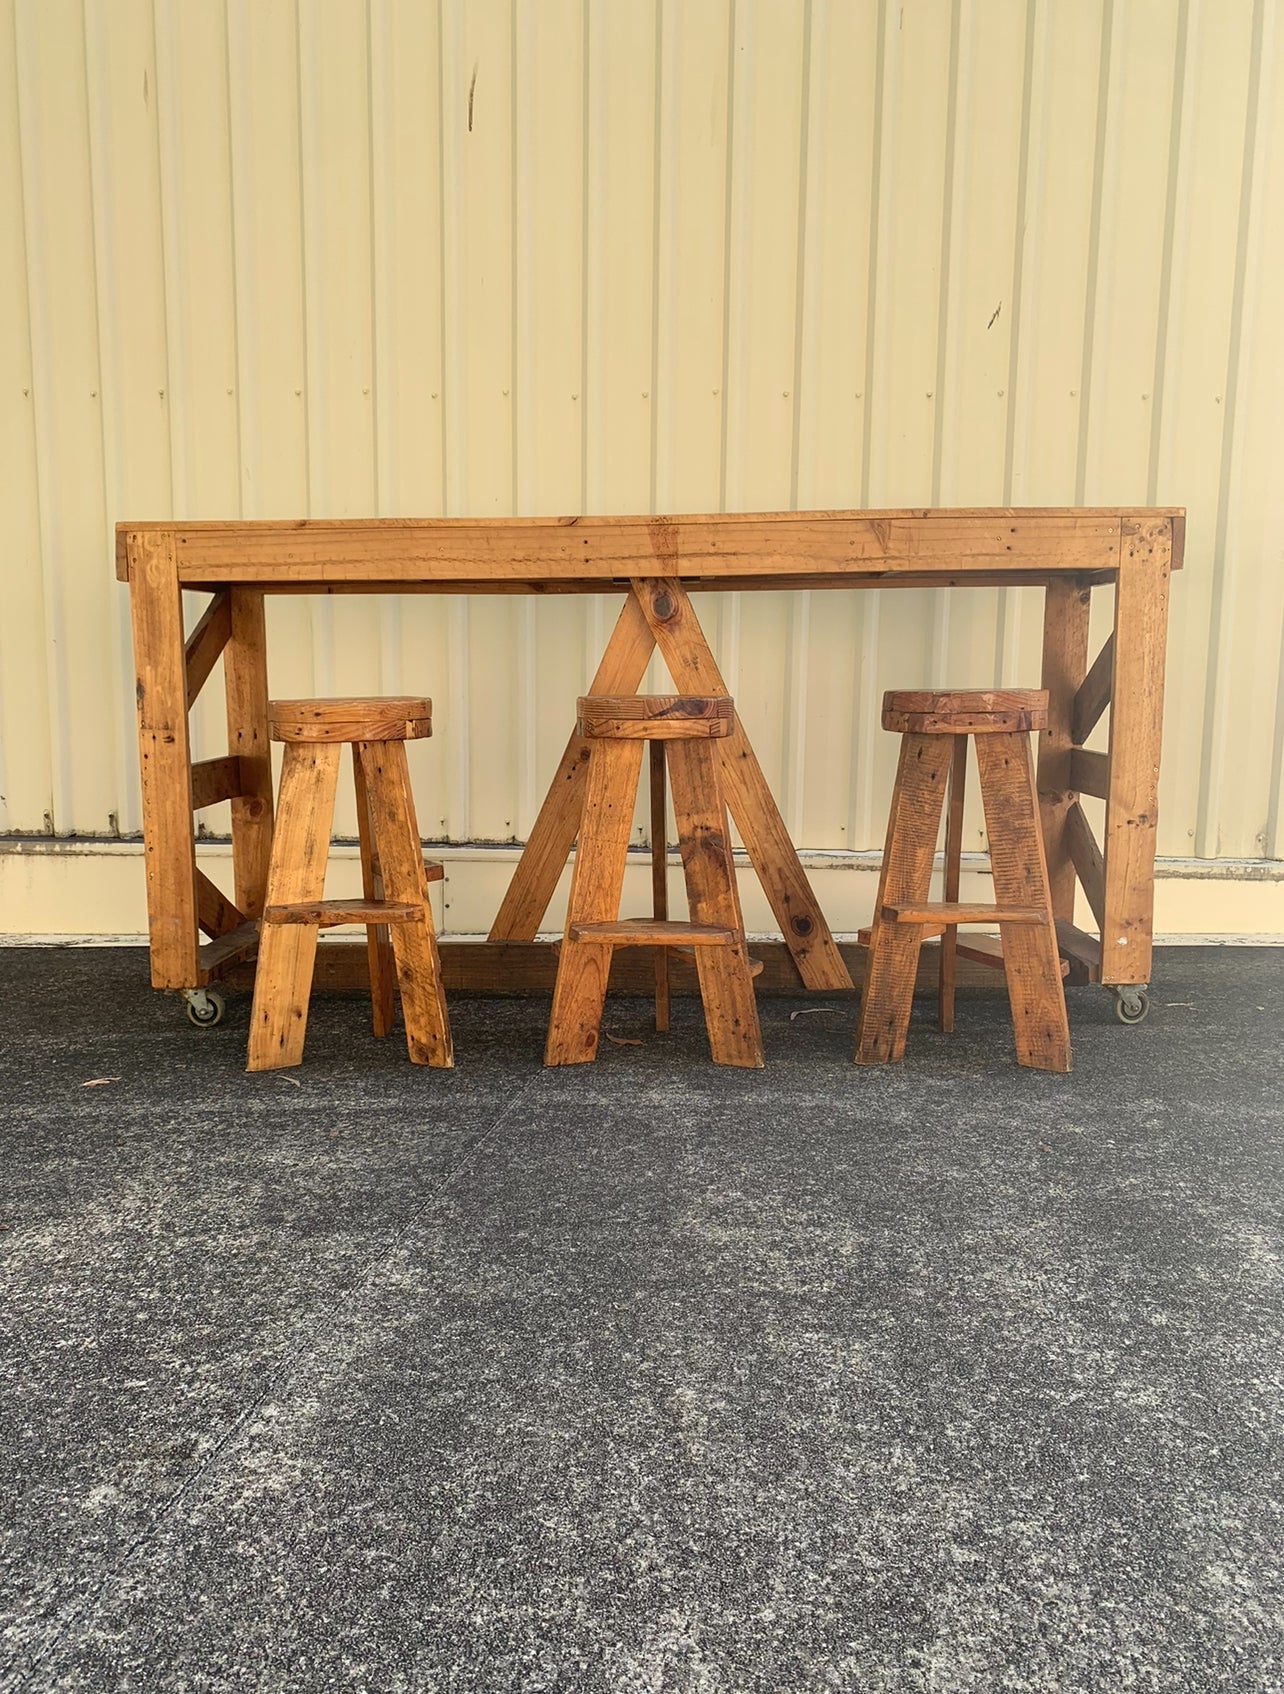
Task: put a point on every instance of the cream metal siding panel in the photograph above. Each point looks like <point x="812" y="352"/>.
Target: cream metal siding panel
<point x="1240" y="612"/>
<point x="26" y="750"/>
<point x="81" y="609"/>
<point x="285" y="256"/>
<point x="1201" y="327"/>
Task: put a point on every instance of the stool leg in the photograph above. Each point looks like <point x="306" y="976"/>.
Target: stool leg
<point x="659" y="882"/>
<point x="395" y="834"/>
<point x="597" y="882"/>
<point x="906" y="876"/>
<point x="953" y="855"/>
<point x="383" y="971"/>
<point x="1030" y="957"/>
<point x="287" y="952"/>
<point x="704" y="837"/>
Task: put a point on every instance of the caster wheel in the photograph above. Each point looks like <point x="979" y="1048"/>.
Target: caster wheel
<point x="1131" y="1004"/>
<point x="205" y="1007"/>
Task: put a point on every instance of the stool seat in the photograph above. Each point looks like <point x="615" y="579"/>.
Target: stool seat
<point x="398" y="717"/>
<point x="655" y="717"/>
<point x="965" y="711"/>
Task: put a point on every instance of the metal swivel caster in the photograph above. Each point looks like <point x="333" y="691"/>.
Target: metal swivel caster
<point x="1132" y="1003"/>
<point x="205" y="1006"/>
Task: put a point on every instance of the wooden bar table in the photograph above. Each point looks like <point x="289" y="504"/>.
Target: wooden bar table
<point x="658" y="561"/>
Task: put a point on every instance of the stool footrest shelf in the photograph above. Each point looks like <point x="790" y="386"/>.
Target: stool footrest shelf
<point x="325" y="914"/>
<point x="654" y="932"/>
<point x="954" y="911"/>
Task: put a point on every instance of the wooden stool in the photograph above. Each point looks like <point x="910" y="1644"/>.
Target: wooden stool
<point x="393" y="875"/>
<point x="934" y="730"/>
<point x="615" y="729"/>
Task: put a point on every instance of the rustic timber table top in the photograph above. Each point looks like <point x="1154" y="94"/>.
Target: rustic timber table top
<point x="724" y="549"/>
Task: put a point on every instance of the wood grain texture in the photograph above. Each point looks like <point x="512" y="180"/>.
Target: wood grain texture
<point x="988" y="950"/>
<point x="215" y="780"/>
<point x="394" y="830"/>
<point x="1086" y="857"/>
<point x="660" y="876"/>
<point x="1089" y="773"/>
<point x="1082" y="950"/>
<point x="1136" y="733"/>
<point x="948" y="913"/>
<point x="206" y="643"/>
<point x="219" y="956"/>
<point x="328" y="914"/>
<point x="394" y="718"/>
<point x="1093" y="694"/>
<point x="655" y="717"/>
<point x="164" y="758"/>
<point x="287" y="952"/>
<point x="597" y="881"/>
<point x="953" y="861"/>
<point x="1066" y="609"/>
<point x="682" y="644"/>
<point x="704" y="840"/>
<point x="383" y="966"/>
<point x="217" y="915"/>
<point x="1030" y="959"/>
<point x="748" y="544"/>
<point x="653" y="932"/>
<point x="913" y="824"/>
<point x="957" y="711"/>
<point x="246" y="688"/>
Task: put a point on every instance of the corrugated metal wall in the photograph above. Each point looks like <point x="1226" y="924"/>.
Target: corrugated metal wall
<point x="283" y="257"/>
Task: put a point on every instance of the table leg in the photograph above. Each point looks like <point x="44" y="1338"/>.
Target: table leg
<point x="553" y="833"/>
<point x="245" y="680"/>
<point x="1136" y="727"/>
<point x="164" y="758"/>
<point x="694" y="670"/>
